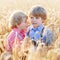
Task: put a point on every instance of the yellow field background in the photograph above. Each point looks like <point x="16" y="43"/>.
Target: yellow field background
<point x="8" y="6"/>
<point x="53" y="16"/>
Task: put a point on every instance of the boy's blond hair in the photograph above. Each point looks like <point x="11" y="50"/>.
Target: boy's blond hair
<point x="38" y="11"/>
<point x="16" y="18"/>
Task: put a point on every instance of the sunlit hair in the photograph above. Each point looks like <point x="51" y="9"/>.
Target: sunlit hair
<point x="16" y="18"/>
<point x="38" y="11"/>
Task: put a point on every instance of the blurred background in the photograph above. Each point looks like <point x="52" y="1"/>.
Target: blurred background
<point x="52" y="7"/>
<point x="8" y="6"/>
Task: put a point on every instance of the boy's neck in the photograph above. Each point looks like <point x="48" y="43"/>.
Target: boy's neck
<point x="38" y="26"/>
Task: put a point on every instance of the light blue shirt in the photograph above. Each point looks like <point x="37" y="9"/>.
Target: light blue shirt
<point x="35" y="34"/>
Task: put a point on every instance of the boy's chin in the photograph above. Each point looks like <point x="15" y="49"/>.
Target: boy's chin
<point x="35" y="26"/>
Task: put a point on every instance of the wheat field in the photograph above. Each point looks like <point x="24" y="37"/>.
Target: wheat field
<point x="53" y="22"/>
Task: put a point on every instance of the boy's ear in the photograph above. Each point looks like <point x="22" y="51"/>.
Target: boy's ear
<point x="43" y="21"/>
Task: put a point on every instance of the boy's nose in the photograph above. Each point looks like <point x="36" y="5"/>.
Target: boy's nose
<point x="34" y="19"/>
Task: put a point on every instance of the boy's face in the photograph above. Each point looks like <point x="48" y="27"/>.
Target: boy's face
<point x="36" y="21"/>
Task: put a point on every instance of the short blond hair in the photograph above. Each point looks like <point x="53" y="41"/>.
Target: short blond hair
<point x="16" y="18"/>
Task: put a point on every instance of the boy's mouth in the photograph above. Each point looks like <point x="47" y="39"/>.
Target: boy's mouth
<point x="34" y="23"/>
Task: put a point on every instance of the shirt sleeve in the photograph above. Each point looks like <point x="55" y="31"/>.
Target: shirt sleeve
<point x="47" y="36"/>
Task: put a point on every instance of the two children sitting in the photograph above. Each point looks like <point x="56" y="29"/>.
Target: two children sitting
<point x="36" y="32"/>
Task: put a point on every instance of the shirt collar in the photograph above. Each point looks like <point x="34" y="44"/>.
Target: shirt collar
<point x="38" y="28"/>
<point x="41" y="27"/>
<point x="19" y="31"/>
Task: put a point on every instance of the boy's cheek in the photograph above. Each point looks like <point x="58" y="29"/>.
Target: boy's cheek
<point x="35" y="26"/>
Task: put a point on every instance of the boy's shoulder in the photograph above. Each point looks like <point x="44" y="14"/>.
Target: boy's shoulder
<point x="47" y="32"/>
<point x="46" y="29"/>
<point x="30" y="27"/>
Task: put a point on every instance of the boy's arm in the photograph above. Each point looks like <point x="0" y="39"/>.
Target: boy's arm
<point x="49" y="37"/>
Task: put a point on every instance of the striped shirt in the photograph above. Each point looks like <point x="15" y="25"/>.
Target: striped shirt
<point x="11" y="37"/>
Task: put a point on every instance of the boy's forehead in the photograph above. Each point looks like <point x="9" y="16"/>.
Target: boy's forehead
<point x="35" y="16"/>
<point x="31" y="15"/>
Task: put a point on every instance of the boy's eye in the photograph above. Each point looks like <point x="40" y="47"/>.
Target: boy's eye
<point x="31" y="17"/>
<point x="37" y="17"/>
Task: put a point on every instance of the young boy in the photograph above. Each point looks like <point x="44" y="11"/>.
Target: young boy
<point x="37" y="31"/>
